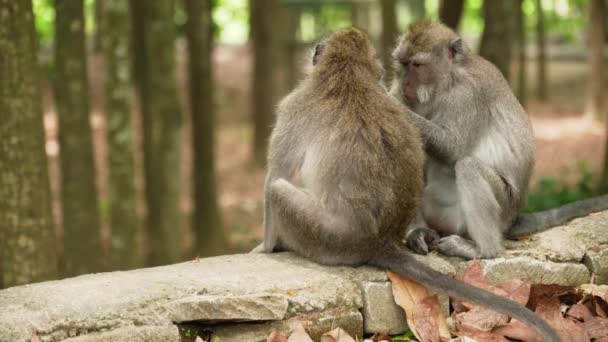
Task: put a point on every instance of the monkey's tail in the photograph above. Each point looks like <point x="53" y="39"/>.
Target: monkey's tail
<point x="527" y="224"/>
<point x="399" y="261"/>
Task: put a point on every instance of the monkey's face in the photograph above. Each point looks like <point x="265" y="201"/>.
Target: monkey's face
<point x="419" y="71"/>
<point x="423" y="61"/>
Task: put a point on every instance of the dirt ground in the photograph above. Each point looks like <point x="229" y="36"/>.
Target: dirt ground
<point x="564" y="138"/>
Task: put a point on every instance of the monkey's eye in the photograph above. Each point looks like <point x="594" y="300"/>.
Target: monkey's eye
<point x="416" y="64"/>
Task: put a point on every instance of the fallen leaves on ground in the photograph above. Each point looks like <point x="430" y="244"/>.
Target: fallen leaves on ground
<point x="422" y="310"/>
<point x="577" y="314"/>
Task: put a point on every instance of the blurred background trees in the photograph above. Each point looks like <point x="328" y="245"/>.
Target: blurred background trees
<point x="157" y="114"/>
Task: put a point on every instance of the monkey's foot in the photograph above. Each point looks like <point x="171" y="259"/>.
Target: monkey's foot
<point x="420" y="239"/>
<point x="258" y="249"/>
<point x="455" y="245"/>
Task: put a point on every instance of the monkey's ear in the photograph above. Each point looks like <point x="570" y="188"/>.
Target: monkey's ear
<point x="318" y="50"/>
<point x="456" y="48"/>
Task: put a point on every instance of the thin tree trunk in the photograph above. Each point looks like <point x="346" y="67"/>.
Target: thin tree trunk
<point x="542" y="52"/>
<point x="497" y="38"/>
<point x="161" y="121"/>
<point x="265" y="47"/>
<point x="291" y="47"/>
<point x="595" y="30"/>
<point x="522" y="77"/>
<point x="450" y="12"/>
<point x="99" y="12"/>
<point x="418" y="9"/>
<point x="78" y="194"/>
<point x="210" y="238"/>
<point x="121" y="152"/>
<point x="389" y="35"/>
<point x="360" y="14"/>
<point x="27" y="241"/>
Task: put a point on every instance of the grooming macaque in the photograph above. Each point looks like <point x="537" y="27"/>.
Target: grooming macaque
<point x="479" y="144"/>
<point x="345" y="173"/>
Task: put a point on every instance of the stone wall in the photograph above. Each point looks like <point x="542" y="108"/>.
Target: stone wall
<point x="243" y="297"/>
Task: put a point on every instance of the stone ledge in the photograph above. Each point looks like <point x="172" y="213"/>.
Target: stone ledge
<point x="243" y="297"/>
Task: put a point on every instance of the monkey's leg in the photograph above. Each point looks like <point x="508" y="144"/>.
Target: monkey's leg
<point x="309" y="229"/>
<point x="482" y="196"/>
<point x="284" y="167"/>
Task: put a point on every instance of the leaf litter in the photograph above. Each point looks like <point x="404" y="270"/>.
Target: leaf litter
<point x="578" y="314"/>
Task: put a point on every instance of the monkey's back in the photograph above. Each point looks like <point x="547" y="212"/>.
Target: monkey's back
<point x="361" y="158"/>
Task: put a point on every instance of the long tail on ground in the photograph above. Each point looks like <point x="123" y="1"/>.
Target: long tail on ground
<point x="527" y="224"/>
<point x="399" y="261"/>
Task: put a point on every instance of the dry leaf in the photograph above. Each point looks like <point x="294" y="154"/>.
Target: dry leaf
<point x="599" y="308"/>
<point x="428" y="310"/>
<point x="299" y="335"/>
<point x="519" y="331"/>
<point x="595" y="290"/>
<point x="379" y="337"/>
<point x="422" y="311"/>
<point x="541" y="291"/>
<point x="35" y="337"/>
<point x="276" y="336"/>
<point x="481" y="318"/>
<point x="480" y="335"/>
<point x="549" y="309"/>
<point x="517" y="290"/>
<point x="580" y="312"/>
<point x="407" y="294"/>
<point x="337" y="335"/>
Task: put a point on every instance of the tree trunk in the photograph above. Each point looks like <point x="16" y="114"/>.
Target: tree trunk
<point x="210" y="238"/>
<point x="360" y="14"/>
<point x="450" y="12"/>
<point x="265" y="47"/>
<point x="78" y="194"/>
<point x="161" y="125"/>
<point x="542" y="52"/>
<point x="121" y="150"/>
<point x="99" y="12"/>
<point x="522" y="77"/>
<point x="497" y="38"/>
<point x="595" y="104"/>
<point x="291" y="47"/>
<point x="389" y="36"/>
<point x="27" y="241"/>
<point x="418" y="9"/>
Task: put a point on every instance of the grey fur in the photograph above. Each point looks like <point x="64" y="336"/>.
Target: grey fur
<point x="480" y="148"/>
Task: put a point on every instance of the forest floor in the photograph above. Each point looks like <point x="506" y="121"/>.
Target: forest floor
<point x="565" y="139"/>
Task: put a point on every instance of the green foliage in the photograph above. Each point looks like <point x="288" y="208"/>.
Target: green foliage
<point x="472" y="18"/>
<point x="407" y="336"/>
<point x="550" y="193"/>
<point x="44" y="13"/>
<point x="45" y="19"/>
<point x="231" y="18"/>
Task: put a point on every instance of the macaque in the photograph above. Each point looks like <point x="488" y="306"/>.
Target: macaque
<point x="479" y="145"/>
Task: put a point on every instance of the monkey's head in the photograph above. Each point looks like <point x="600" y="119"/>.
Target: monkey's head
<point x="424" y="58"/>
<point x="344" y="49"/>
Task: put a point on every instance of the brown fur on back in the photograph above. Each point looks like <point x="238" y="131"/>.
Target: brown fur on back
<point x="371" y="156"/>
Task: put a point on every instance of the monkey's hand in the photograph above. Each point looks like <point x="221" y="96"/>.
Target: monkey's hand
<point x="420" y="239"/>
<point x="457" y="246"/>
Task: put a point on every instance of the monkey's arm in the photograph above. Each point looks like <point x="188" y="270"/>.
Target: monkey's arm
<point x="441" y="143"/>
<point x="284" y="159"/>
